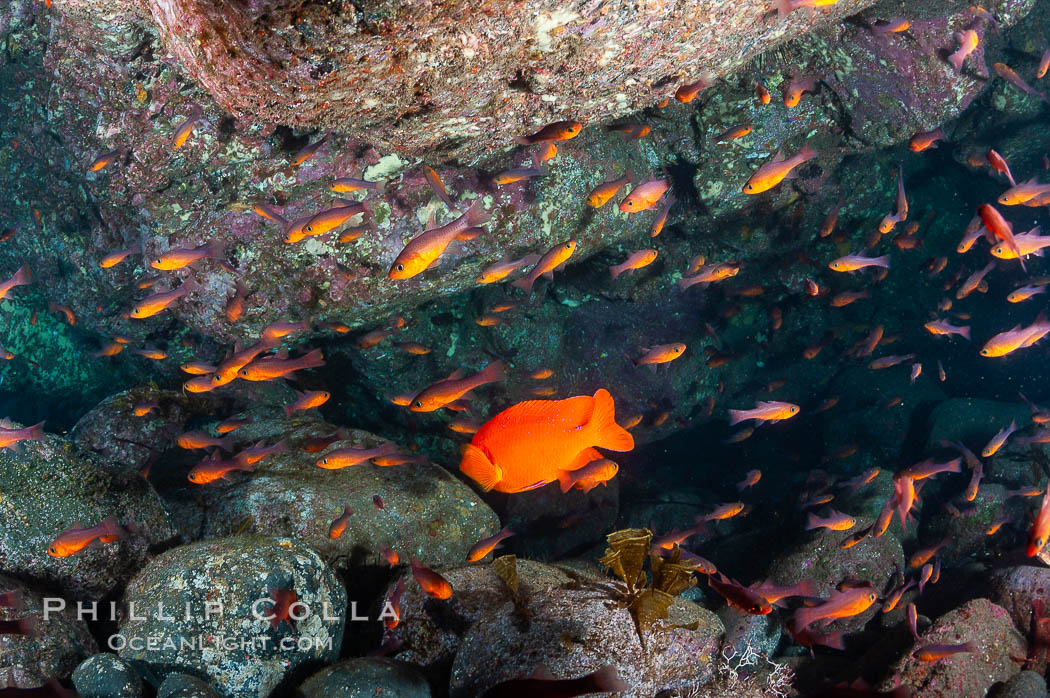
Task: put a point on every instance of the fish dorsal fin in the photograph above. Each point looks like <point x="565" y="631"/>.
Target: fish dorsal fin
<point x="540" y="673"/>
<point x="455" y="375"/>
<point x="779" y="156"/>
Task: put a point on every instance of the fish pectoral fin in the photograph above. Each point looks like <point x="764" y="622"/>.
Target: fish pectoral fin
<point x="477" y="466"/>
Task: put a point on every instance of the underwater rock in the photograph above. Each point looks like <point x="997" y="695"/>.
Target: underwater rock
<point x="562" y="621"/>
<point x="49" y="488"/>
<point x="427" y="513"/>
<point x="245" y="576"/>
<point x="534" y="64"/>
<point x="973" y="421"/>
<point x="1016" y="588"/>
<point x="1027" y="684"/>
<point x="817" y="556"/>
<point x="125" y="441"/>
<point x="760" y="633"/>
<point x="185" y="686"/>
<point x="106" y="675"/>
<point x="364" y="677"/>
<point x="966" y="535"/>
<point x="50" y="648"/>
<point x="996" y="641"/>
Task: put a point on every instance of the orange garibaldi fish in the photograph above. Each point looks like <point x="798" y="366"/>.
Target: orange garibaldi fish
<point x="530" y="444"/>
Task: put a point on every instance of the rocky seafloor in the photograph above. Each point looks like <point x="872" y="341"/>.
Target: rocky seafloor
<point x="242" y="587"/>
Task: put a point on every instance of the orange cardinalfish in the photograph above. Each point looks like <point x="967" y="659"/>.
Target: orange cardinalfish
<point x="103" y="160"/>
<point x="486" y="545"/>
<point x="602" y="193"/>
<point x="1007" y="73"/>
<point x="999" y="440"/>
<point x="447" y="391"/>
<point x="1023" y="192"/>
<point x="501" y="270"/>
<point x="425" y="248"/>
<point x="687" y="92"/>
<point x="185" y="129"/>
<point x="281" y="329"/>
<point x="151" y="353"/>
<point x="739" y="597"/>
<point x="551" y="260"/>
<point x="931" y="653"/>
<point x="645" y="195"/>
<point x="774" y="593"/>
<point x="891" y="26"/>
<point x="413" y="348"/>
<point x="734" y="133"/>
<point x="999" y="164"/>
<point x="212" y="468"/>
<point x="761" y="93"/>
<point x="1027" y="243"/>
<point x="836" y="521"/>
<point x="797" y="86"/>
<point x="1037" y="536"/>
<point x="353" y="455"/>
<point x="724" y="511"/>
<point x="198" y="439"/>
<point x="531" y="443"/>
<point x="660" y="354"/>
<point x="227" y="426"/>
<point x="1000" y="228"/>
<point x="1017" y="338"/>
<point x="235" y="307"/>
<point x="197" y="368"/>
<point x="184" y="256"/>
<point x="270" y="369"/>
<point x="851" y="263"/>
<point x="750" y="480"/>
<point x="968" y="41"/>
<point x="661" y="216"/>
<point x="325" y="221"/>
<point x="228" y="369"/>
<point x="842" y="604"/>
<point x="924" y="140"/>
<point x="631" y="132"/>
<point x="345" y="185"/>
<point x="764" y="412"/>
<point x="158" y="302"/>
<point x="114" y="258"/>
<point x="307" y="401"/>
<point x="21" y="278"/>
<point x="597" y="472"/>
<point x="635" y="260"/>
<point x="772" y="173"/>
<point x="308" y="151"/>
<point x="76" y="539"/>
<point x="430" y="581"/>
<point x="338" y="525"/>
<point x="930" y="467"/>
<point x="9" y="435"/>
<point x="557" y="131"/>
<point x="438" y="187"/>
<point x="709" y="274"/>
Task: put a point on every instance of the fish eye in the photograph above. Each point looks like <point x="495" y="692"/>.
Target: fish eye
<point x="418" y="403"/>
<point x="157" y="260"/>
<point x="400" y="267"/>
<point x="324" y="461"/>
<point x="309" y="228"/>
<point x="53" y="550"/>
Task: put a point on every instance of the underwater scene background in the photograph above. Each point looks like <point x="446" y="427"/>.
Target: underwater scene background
<point x="524" y="348"/>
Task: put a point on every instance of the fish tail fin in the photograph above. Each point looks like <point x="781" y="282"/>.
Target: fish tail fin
<point x="21" y="276"/>
<point x="784" y="8"/>
<point x="281" y="446"/>
<point x="111" y="527"/>
<point x="477" y="466"/>
<point x="807" y="587"/>
<point x="736" y="416"/>
<point x="287" y="411"/>
<point x="525" y="284"/>
<point x="615" y="271"/>
<point x="883" y="261"/>
<point x="811" y="521"/>
<point x="36" y="432"/>
<point x="216" y="249"/>
<point x="495" y="371"/>
<point x="965" y="332"/>
<point x="565" y="480"/>
<point x="607" y="680"/>
<point x="807" y="152"/>
<point x="609" y="434"/>
<point x="226" y="443"/>
<point x="522" y="140"/>
<point x="956" y="61"/>
<point x="476" y="214"/>
<point x="313" y="359"/>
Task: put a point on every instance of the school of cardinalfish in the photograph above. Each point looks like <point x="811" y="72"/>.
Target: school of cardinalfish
<point x="537" y="442"/>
